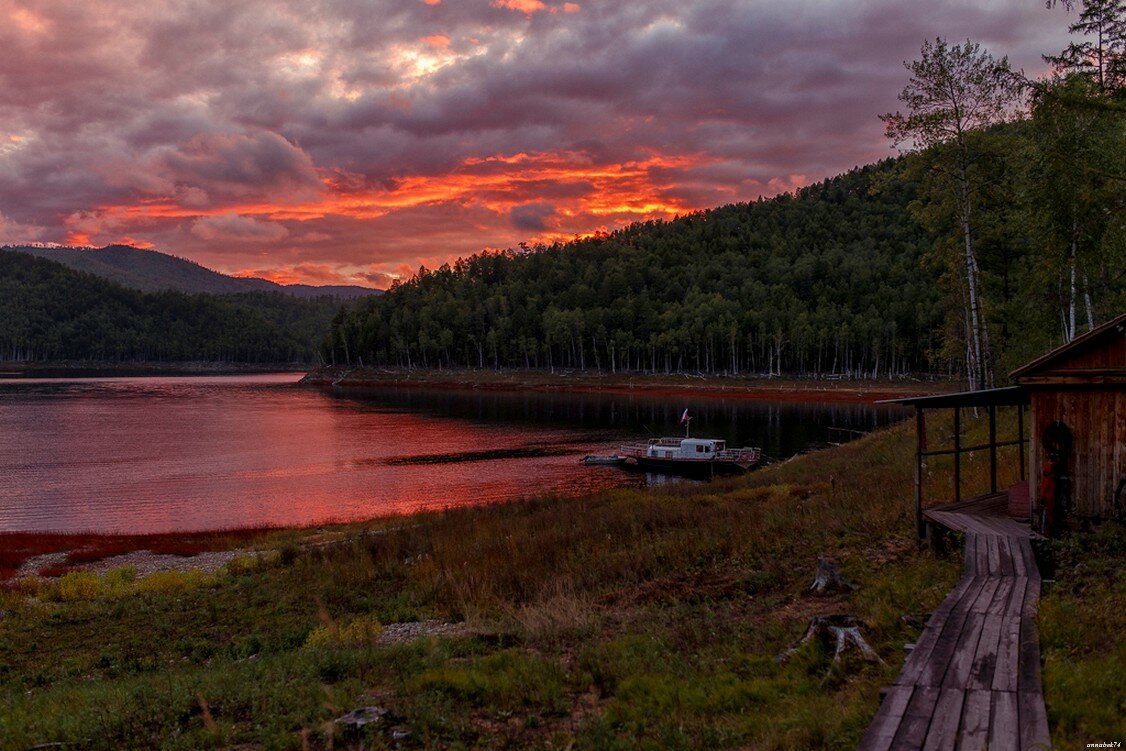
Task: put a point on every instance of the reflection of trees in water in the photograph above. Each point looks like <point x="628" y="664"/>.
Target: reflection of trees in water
<point x="779" y="428"/>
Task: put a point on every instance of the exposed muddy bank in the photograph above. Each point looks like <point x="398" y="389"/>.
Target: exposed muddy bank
<point x="719" y="387"/>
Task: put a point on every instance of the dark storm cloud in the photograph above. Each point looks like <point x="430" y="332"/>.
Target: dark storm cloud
<point x="532" y="217"/>
<point x="366" y="136"/>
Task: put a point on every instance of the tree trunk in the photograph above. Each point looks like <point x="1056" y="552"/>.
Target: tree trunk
<point x="982" y="375"/>
<point x="1071" y="286"/>
<point x="1087" y="303"/>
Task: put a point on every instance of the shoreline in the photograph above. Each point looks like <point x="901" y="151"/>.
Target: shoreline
<point x="81" y="368"/>
<point x="91" y="546"/>
<point x="857" y="391"/>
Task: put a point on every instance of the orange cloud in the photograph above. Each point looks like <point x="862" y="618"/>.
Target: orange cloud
<point x="538" y="197"/>
<point x="439" y="41"/>
<point x="522" y="6"/>
<point x="496" y="182"/>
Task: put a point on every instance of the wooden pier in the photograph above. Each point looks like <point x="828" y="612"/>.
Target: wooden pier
<point x="972" y="682"/>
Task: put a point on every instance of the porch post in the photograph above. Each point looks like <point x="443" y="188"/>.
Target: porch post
<point x="992" y="448"/>
<point x="920" y="447"/>
<point x="1020" y="437"/>
<point x="957" y="454"/>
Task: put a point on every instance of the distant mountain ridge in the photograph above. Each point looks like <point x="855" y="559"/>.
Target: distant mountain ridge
<point x="153" y="271"/>
<point x="50" y="312"/>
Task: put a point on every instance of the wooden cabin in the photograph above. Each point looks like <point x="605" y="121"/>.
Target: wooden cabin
<point x="1076" y="437"/>
<point x="1077" y="394"/>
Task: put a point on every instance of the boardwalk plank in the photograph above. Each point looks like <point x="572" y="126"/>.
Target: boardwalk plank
<point x="884" y="726"/>
<point x="1020" y="568"/>
<point x="1031" y="597"/>
<point x="973" y="734"/>
<point x="943" y="731"/>
<point x="1028" y="658"/>
<point x="961" y="661"/>
<point x="985" y="595"/>
<point x="1004" y="734"/>
<point x="1016" y="599"/>
<point x="983" y="556"/>
<point x="944" y="649"/>
<point x="1007" y="568"/>
<point x="1028" y="556"/>
<point x="1033" y="722"/>
<point x="994" y="549"/>
<point x="920" y="655"/>
<point x="1001" y="596"/>
<point x="916" y="719"/>
<point x="984" y="662"/>
<point x="1008" y="649"/>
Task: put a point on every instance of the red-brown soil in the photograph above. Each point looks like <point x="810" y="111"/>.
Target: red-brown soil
<point x="17" y="547"/>
<point x="680" y="386"/>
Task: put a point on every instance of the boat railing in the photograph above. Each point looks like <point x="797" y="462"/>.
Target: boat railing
<point x="745" y="456"/>
<point x="739" y="456"/>
<point x="634" y="449"/>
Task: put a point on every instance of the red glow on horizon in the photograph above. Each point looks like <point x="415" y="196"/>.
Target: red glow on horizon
<point x="277" y="276"/>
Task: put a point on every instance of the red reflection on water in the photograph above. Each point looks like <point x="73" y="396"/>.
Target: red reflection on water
<point x="144" y="455"/>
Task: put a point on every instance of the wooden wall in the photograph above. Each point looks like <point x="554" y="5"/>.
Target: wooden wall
<point x="1097" y="418"/>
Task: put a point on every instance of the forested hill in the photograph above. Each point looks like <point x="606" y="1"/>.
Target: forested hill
<point x="829" y="280"/>
<point x="51" y="312"/>
<point x="152" y="271"/>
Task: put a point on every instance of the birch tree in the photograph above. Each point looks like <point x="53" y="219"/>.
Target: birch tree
<point x="954" y="93"/>
<point x="1069" y="147"/>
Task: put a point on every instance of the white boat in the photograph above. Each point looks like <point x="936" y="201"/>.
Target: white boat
<point x="696" y="456"/>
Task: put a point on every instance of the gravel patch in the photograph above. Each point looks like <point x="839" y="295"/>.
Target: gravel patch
<point x="144" y="561"/>
<point x="400" y="633"/>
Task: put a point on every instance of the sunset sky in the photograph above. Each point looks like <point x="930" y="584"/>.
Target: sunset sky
<point x="349" y="142"/>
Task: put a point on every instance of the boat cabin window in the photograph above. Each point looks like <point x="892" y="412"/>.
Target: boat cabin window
<point x="699" y="449"/>
<point x="719" y="445"/>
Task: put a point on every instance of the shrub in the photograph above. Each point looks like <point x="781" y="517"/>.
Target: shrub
<point x="363" y="631"/>
<point x="245" y="564"/>
<point x="77" y="585"/>
<point x="166" y="582"/>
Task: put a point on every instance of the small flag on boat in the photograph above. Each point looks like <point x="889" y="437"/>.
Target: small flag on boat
<point x="684" y="418"/>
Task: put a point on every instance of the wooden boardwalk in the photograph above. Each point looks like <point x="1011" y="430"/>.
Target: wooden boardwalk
<point x="972" y="682"/>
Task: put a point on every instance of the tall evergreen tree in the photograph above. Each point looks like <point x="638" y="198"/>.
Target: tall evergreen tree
<point x="1102" y="54"/>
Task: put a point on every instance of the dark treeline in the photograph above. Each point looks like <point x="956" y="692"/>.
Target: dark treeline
<point x="998" y="237"/>
<point x="827" y="281"/>
<point x="50" y="312"/>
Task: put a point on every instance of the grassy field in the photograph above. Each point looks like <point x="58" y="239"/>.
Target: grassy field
<point x="624" y="620"/>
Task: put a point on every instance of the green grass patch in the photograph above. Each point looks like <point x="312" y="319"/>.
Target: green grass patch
<point x="1082" y="620"/>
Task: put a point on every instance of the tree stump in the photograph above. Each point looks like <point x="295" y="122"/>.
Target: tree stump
<point x="829" y="578"/>
<point x="842" y="631"/>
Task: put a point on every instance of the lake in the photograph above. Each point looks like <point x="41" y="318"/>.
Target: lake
<point x="160" y="454"/>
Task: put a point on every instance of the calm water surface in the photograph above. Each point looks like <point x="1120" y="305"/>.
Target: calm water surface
<point x="209" y="452"/>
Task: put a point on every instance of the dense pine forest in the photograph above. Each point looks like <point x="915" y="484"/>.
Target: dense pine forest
<point x="999" y="234"/>
<point x="50" y="312"/>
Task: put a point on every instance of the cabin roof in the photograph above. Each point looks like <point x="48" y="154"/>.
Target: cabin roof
<point x="1079" y="357"/>
<point x="1009" y="396"/>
